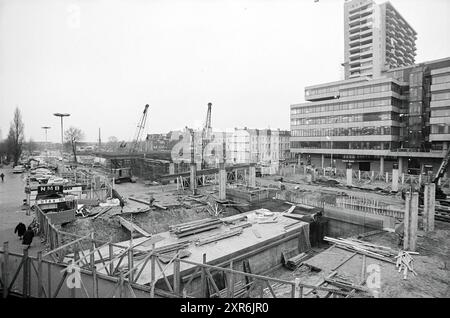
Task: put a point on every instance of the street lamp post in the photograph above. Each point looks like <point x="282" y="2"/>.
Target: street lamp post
<point x="46" y="128"/>
<point x="62" y="132"/>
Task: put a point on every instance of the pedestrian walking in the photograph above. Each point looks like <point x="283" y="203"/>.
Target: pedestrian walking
<point x="20" y="230"/>
<point x="2" y="176"/>
<point x="28" y="237"/>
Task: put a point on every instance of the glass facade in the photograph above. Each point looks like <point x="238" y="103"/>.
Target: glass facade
<point x="365" y="117"/>
<point x="362" y="145"/>
<point x="338" y="106"/>
<point x="346" y="131"/>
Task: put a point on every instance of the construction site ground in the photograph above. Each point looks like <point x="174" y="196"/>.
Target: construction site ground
<point x="432" y="266"/>
<point x="180" y="209"/>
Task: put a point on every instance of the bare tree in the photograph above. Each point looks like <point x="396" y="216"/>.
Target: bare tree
<point x="15" y="137"/>
<point x="72" y="136"/>
<point x="113" y="143"/>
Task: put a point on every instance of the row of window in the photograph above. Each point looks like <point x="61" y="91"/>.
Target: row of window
<point x="364" y="145"/>
<point x="440" y="129"/>
<point x="440" y="113"/>
<point x="346" y="118"/>
<point x="346" y="131"/>
<point x="441" y="79"/>
<point x="440" y="96"/>
<point x="346" y="105"/>
<point x="319" y="91"/>
<point x="371" y="90"/>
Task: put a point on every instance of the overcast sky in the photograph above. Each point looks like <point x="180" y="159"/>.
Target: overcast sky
<point x="251" y="59"/>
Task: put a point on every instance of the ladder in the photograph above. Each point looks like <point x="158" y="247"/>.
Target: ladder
<point x="443" y="167"/>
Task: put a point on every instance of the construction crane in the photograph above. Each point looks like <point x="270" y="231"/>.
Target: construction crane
<point x="139" y="130"/>
<point x="206" y="134"/>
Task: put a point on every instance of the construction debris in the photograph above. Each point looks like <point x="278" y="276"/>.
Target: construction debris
<point x="291" y="260"/>
<point x="379" y="252"/>
<point x="194" y="227"/>
<point x="139" y="201"/>
<point x="240" y="225"/>
<point x="106" y="209"/>
<point x="218" y="237"/>
<point x="405" y="263"/>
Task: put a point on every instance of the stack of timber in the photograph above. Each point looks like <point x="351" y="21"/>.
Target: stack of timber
<point x="218" y="236"/>
<point x="194" y="227"/>
<point x="294" y="262"/>
<point x="442" y="213"/>
<point x="405" y="263"/>
<point x="345" y="285"/>
<point x="235" y="218"/>
<point x="240" y="225"/>
<point x="379" y="252"/>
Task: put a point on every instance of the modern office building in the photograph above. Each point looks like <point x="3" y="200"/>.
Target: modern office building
<point x="387" y="111"/>
<point x="401" y="117"/>
<point x="377" y="38"/>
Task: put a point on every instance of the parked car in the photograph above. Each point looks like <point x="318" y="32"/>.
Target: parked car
<point x="19" y="169"/>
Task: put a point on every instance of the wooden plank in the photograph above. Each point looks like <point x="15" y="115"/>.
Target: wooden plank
<point x="132" y="227"/>
<point x="344" y="261"/>
<point x="102" y="212"/>
<point x="159" y="206"/>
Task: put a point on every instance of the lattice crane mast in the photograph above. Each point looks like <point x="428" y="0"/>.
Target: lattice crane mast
<point x="139" y="129"/>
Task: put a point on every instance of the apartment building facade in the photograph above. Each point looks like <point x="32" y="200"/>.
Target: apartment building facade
<point x="377" y="38"/>
<point x="266" y="147"/>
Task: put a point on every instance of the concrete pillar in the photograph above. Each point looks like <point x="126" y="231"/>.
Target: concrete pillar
<point x="236" y="175"/>
<point x="349" y="176"/>
<point x="429" y="204"/>
<point x="252" y="176"/>
<point x="381" y="164"/>
<point x="323" y="161"/>
<point x="222" y="182"/>
<point x="411" y="222"/>
<point x="193" y="178"/>
<point x="359" y="175"/>
<point x="395" y="180"/>
<point x="403" y="178"/>
<point x="400" y="165"/>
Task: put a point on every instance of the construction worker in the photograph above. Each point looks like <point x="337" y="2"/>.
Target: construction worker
<point x="20" y="230"/>
<point x="28" y="237"/>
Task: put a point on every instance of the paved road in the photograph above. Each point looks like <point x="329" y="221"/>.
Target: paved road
<point x="11" y="213"/>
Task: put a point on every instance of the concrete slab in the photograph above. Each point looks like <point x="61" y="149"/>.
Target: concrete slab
<point x="219" y="251"/>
